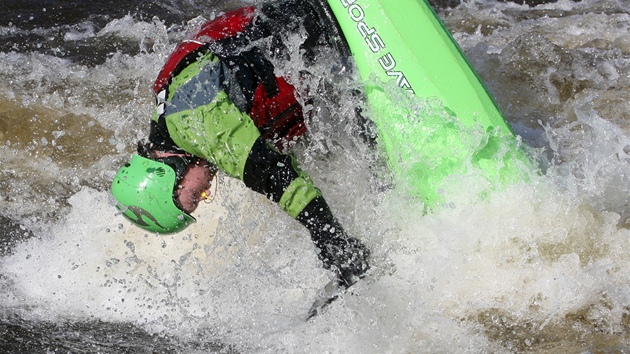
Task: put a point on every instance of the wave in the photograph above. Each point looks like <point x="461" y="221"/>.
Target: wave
<point x="536" y="266"/>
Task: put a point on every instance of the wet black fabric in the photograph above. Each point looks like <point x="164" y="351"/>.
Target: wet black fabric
<point x="289" y="16"/>
<point x="159" y="138"/>
<point x="267" y="171"/>
<point x="345" y="255"/>
<point x="251" y="68"/>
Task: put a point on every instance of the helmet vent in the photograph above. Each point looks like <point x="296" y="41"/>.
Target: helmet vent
<point x="160" y="171"/>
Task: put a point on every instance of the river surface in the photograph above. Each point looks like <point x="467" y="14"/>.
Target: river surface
<point x="539" y="266"/>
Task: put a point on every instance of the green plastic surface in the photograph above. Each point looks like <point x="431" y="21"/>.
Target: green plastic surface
<point x="453" y="126"/>
<point x="143" y="189"/>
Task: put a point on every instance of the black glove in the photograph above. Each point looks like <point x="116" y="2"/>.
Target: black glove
<point x="344" y="255"/>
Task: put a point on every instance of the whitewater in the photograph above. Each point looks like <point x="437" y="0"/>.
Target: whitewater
<point x="540" y="266"/>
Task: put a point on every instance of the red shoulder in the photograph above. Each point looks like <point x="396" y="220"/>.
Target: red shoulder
<point x="225" y="26"/>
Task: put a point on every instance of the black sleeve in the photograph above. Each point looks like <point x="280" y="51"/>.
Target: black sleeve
<point x="159" y="138"/>
<point x="315" y="17"/>
<point x="267" y="171"/>
<point x="345" y="255"/>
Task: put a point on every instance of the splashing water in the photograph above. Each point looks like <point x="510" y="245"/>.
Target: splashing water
<point x="535" y="266"/>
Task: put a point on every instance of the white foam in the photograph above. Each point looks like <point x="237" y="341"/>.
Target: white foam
<point x="250" y="274"/>
<point x="537" y="254"/>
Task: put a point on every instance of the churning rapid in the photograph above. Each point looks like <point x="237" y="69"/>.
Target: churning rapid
<point x="543" y="265"/>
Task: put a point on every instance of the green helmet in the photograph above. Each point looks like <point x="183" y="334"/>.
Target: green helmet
<point x="144" y="191"/>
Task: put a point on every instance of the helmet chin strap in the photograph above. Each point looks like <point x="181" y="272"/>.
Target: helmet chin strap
<point x="207" y="195"/>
